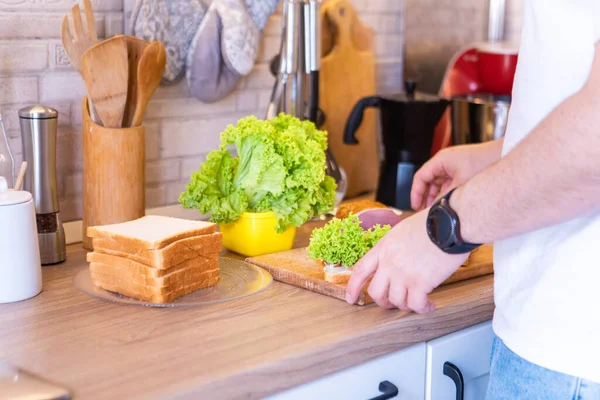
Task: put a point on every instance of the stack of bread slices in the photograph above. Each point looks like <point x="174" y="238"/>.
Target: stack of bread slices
<point x="155" y="259"/>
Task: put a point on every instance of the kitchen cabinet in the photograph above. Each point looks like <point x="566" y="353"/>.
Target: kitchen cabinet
<point x="404" y="369"/>
<point x="427" y="370"/>
<point x="467" y="353"/>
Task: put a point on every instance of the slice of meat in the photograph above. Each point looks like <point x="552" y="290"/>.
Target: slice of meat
<point x="382" y="216"/>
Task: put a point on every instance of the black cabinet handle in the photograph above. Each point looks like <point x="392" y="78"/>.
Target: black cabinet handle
<point x="388" y="391"/>
<point x="452" y="371"/>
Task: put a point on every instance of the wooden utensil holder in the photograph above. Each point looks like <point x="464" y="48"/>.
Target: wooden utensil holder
<point x="113" y="174"/>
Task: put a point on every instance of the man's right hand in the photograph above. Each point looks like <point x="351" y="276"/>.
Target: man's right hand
<point x="450" y="168"/>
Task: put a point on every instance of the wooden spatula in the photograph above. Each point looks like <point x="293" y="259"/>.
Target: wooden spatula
<point x="135" y="48"/>
<point x="105" y="70"/>
<point x="149" y="73"/>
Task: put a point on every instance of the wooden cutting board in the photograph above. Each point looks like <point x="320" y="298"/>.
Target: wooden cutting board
<point x="347" y="75"/>
<point x="295" y="268"/>
<point x="362" y="36"/>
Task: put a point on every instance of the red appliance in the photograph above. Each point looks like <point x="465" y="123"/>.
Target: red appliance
<point x="477" y="68"/>
<point x="497" y="65"/>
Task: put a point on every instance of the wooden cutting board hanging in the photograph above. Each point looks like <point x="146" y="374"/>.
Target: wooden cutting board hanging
<point x="295" y="268"/>
<point x="361" y="35"/>
<point x="347" y="75"/>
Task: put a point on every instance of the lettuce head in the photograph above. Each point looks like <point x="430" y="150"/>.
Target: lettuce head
<point x="344" y="241"/>
<point x="279" y="166"/>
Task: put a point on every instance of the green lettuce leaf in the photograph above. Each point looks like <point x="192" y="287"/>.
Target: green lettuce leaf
<point x="260" y="171"/>
<point x="212" y="191"/>
<point x="344" y="241"/>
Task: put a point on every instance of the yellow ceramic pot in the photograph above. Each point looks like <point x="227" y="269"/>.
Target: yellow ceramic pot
<point x="254" y="234"/>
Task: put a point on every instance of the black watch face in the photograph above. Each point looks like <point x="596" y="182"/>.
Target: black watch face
<point x="440" y="228"/>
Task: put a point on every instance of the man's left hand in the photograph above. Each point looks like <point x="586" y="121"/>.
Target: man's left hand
<point x="406" y="266"/>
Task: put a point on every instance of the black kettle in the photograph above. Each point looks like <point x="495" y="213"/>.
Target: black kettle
<point x="408" y="122"/>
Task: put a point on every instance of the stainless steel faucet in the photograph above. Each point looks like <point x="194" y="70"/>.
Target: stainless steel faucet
<point x="296" y="89"/>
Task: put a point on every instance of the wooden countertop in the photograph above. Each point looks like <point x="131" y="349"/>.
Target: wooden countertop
<point x="263" y="344"/>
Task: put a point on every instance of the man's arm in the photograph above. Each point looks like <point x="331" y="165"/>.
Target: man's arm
<point x="450" y="168"/>
<point x="552" y="176"/>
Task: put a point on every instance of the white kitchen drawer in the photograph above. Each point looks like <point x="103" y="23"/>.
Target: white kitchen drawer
<point x="469" y="350"/>
<point x="404" y="368"/>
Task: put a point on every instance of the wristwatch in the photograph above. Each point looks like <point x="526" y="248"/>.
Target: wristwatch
<point x="443" y="228"/>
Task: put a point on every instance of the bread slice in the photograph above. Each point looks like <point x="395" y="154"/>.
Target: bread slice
<point x="339" y="278"/>
<point x="356" y="206"/>
<point x="169" y="256"/>
<point x="150" y="293"/>
<point x="127" y="266"/>
<point x="186" y="275"/>
<point x="152" y="231"/>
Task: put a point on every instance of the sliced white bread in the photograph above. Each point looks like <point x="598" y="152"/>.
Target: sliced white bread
<point x="152" y="231"/>
<point x="150" y="293"/>
<point x="338" y="277"/>
<point x="185" y="275"/>
<point x="129" y="267"/>
<point x="169" y="256"/>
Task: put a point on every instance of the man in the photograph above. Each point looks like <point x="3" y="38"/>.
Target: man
<point x="536" y="195"/>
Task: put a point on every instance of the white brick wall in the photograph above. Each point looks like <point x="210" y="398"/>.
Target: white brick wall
<point x="180" y="130"/>
<point x="437" y="29"/>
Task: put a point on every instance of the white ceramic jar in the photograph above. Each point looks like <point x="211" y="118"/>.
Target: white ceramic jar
<point x="20" y="266"/>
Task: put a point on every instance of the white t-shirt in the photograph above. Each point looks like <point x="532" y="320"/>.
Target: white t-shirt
<point x="547" y="282"/>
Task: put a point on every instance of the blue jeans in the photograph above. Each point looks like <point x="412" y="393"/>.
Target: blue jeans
<point x="513" y="378"/>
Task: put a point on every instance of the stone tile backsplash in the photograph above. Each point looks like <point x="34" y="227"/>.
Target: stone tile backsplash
<point x="180" y="129"/>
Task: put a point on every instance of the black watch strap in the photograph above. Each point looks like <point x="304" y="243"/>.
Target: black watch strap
<point x="443" y="228"/>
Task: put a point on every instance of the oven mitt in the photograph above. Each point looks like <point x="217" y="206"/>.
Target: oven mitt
<point x="260" y="11"/>
<point x="225" y="46"/>
<point x="172" y="22"/>
<point x="208" y="77"/>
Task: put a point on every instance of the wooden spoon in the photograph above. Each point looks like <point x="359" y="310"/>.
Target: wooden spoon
<point x="149" y="74"/>
<point x="21" y="176"/>
<point x="105" y="70"/>
<point x="135" y="48"/>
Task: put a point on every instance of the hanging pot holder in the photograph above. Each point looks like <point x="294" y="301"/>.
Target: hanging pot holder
<point x="208" y="76"/>
<point x="172" y="22"/>
<point x="226" y="46"/>
<point x="260" y="11"/>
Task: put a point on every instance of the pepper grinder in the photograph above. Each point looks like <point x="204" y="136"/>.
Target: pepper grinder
<point x="38" y="135"/>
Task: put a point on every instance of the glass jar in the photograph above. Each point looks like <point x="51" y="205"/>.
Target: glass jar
<point x="7" y="161"/>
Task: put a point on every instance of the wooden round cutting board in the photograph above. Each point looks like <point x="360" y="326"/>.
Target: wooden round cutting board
<point x="347" y="75"/>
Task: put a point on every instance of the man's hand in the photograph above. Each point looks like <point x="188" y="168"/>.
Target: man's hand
<point x="406" y="266"/>
<point x="450" y="168"/>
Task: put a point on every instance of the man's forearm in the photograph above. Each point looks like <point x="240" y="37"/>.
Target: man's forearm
<point x="552" y="176"/>
<point x="491" y="150"/>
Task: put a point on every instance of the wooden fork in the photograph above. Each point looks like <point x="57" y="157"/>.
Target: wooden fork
<point x="82" y="40"/>
<point x="75" y="45"/>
